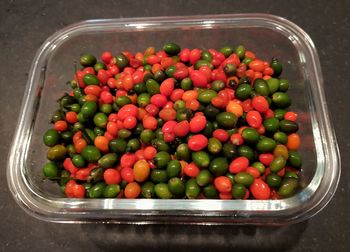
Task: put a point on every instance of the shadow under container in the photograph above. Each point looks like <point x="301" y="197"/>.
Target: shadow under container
<point x="266" y="35"/>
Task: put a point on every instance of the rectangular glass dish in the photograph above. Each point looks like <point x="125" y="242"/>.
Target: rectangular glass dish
<point x="266" y="35"/>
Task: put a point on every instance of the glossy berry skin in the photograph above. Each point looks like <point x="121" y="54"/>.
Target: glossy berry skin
<point x="197" y="123"/>
<point x="223" y="184"/>
<point x="260" y="104"/>
<point x="254" y="119"/>
<point x="260" y="190"/>
<point x="239" y="164"/>
<point x="197" y="142"/>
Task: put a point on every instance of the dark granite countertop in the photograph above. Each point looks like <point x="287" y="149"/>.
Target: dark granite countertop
<point x="24" y="25"/>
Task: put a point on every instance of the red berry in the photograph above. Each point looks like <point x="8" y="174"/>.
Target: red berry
<point x="260" y="190"/>
<point x="266" y="158"/>
<point x="137" y="77"/>
<point x="152" y="109"/>
<point x="89" y="70"/>
<point x="239" y="164"/>
<point x="149" y="122"/>
<point x="103" y="76"/>
<point x="71" y="117"/>
<point x="152" y="59"/>
<point x="169" y="137"/>
<point x="111" y="176"/>
<point x="128" y="160"/>
<point x="206" y="71"/>
<point x="149" y="152"/>
<point x="191" y="170"/>
<point x="79" y="191"/>
<point x="127" y="174"/>
<point x="253" y="171"/>
<point x="260" y="104"/>
<point x="69" y="188"/>
<point x="61" y="125"/>
<point x="185" y="55"/>
<point x="182" y="128"/>
<point x="110" y="82"/>
<point x="130" y="122"/>
<point x="195" y="55"/>
<point x="257" y="65"/>
<point x="254" y="119"/>
<point x="291" y="116"/>
<point x="197" y="142"/>
<point x="268" y="71"/>
<point x="168" y="127"/>
<point x="106" y="57"/>
<point x="159" y="100"/>
<point x="167" y="87"/>
<point x="106" y="97"/>
<point x="199" y="79"/>
<point x="269" y="114"/>
<point x="247" y="105"/>
<point x="221" y="135"/>
<point x="113" y="69"/>
<point x="69" y="166"/>
<point x="197" y="123"/>
<point x="128" y="110"/>
<point x="176" y="94"/>
<point x="112" y="128"/>
<point x="237" y="139"/>
<point x="225" y="196"/>
<point x="167" y="114"/>
<point x="223" y="184"/>
<point x="180" y="73"/>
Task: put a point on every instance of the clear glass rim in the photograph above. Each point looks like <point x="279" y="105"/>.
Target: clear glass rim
<point x="246" y="211"/>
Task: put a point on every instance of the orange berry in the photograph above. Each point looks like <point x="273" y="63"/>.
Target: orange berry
<point x="293" y="141"/>
<point x="101" y="143"/>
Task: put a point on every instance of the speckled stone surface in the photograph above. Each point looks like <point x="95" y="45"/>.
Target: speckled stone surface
<point x="24" y="25"/>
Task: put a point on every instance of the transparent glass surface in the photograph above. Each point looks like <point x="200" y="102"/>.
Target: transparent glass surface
<point x="266" y="35"/>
